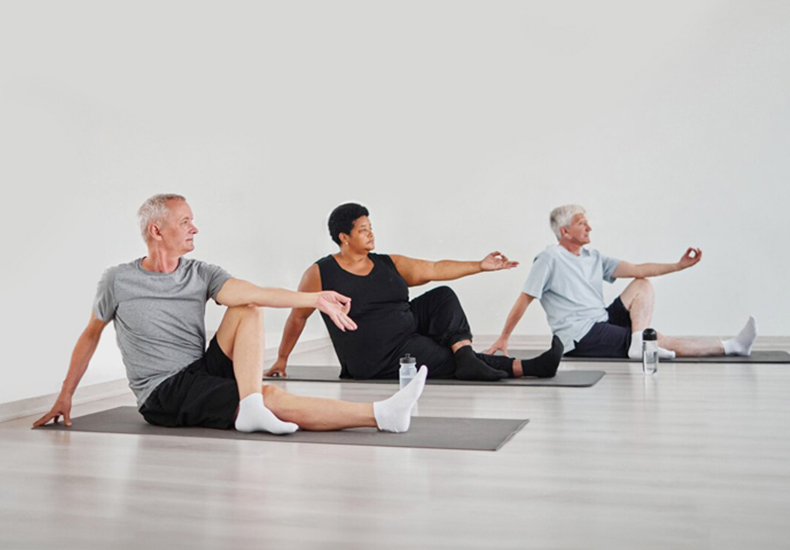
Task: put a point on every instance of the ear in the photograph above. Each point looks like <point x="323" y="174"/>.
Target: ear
<point x="341" y="235"/>
<point x="155" y="232"/>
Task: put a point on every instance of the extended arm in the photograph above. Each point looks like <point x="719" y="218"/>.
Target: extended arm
<point x="625" y="269"/>
<point x="236" y="292"/>
<point x="294" y="326"/>
<point x="515" y="315"/>
<point x="419" y="272"/>
<point x="80" y="357"/>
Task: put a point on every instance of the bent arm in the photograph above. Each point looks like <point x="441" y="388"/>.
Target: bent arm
<point x="419" y="272"/>
<point x="80" y="358"/>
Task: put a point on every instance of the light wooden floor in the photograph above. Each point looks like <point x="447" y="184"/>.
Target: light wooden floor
<point x="698" y="457"/>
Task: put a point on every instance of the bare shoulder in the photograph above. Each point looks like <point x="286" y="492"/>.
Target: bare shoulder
<point x="311" y="280"/>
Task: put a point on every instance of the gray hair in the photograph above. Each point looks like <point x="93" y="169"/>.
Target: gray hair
<point x="154" y="210"/>
<point x="562" y="216"/>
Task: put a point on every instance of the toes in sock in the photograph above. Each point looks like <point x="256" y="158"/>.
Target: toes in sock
<point x="469" y="367"/>
<point x="742" y="344"/>
<point x="544" y="365"/>
<point x="255" y="417"/>
<point x="394" y="414"/>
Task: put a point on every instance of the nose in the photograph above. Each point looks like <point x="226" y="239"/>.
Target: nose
<point x="193" y="229"/>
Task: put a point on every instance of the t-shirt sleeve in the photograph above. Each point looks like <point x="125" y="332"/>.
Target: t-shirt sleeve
<point x="539" y="277"/>
<point x="609" y="266"/>
<point x="105" y="303"/>
<point x="214" y="276"/>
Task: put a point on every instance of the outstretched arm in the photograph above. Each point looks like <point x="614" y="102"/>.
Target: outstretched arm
<point x="294" y="326"/>
<point x="515" y="315"/>
<point x="625" y="269"/>
<point x="80" y="357"/>
<point x="236" y="292"/>
<point x="419" y="272"/>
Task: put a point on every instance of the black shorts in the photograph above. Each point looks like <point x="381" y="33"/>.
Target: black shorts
<point x="203" y="394"/>
<point x="610" y="338"/>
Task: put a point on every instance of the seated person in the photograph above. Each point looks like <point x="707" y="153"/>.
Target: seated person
<point x="158" y="304"/>
<point x="568" y="278"/>
<point x="432" y="327"/>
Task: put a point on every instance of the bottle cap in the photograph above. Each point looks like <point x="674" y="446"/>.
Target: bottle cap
<point x="649" y="334"/>
<point x="408" y="359"/>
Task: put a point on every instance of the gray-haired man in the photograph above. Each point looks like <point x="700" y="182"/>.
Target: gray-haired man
<point x="158" y="306"/>
<point x="568" y="278"/>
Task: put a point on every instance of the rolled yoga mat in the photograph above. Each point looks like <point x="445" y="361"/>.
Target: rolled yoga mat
<point x="772" y="356"/>
<point x="568" y="378"/>
<point x="428" y="432"/>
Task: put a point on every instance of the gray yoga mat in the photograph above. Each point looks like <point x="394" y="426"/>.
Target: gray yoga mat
<point x="468" y="434"/>
<point x="564" y="378"/>
<point x="756" y="357"/>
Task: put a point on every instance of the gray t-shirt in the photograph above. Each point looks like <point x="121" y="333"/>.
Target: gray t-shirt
<point x="570" y="289"/>
<point x="159" y="317"/>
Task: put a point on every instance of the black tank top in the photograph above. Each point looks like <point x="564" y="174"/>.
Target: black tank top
<point x="379" y="307"/>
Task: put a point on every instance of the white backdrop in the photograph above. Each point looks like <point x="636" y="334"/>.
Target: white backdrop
<point x="459" y="124"/>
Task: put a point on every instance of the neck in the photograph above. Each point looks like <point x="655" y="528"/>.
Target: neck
<point x="571" y="246"/>
<point x="160" y="261"/>
<point x="352" y="257"/>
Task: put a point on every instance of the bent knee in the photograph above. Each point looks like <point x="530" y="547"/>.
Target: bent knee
<point x="443" y="292"/>
<point x="643" y="284"/>
<point x="251" y="313"/>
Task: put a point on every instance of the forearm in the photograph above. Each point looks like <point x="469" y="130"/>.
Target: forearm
<point x="447" y="270"/>
<point x="655" y="270"/>
<point x="80" y="358"/>
<point x="243" y="293"/>
<point x="294" y="327"/>
<point x="515" y="315"/>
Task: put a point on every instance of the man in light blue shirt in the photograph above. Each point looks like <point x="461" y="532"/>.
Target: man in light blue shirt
<point x="568" y="281"/>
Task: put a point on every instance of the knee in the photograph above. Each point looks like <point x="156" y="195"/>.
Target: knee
<point x="643" y="285"/>
<point x="444" y="293"/>
<point x="247" y="313"/>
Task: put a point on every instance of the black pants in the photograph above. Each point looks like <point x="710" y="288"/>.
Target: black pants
<point x="441" y="322"/>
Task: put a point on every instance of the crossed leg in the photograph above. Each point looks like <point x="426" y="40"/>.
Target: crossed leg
<point x="240" y="336"/>
<point x="639" y="299"/>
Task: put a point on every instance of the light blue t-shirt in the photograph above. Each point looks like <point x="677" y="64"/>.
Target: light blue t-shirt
<point x="159" y="317"/>
<point x="570" y="289"/>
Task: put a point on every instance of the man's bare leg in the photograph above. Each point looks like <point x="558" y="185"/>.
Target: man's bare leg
<point x="240" y="336"/>
<point x="317" y="414"/>
<point x="639" y="299"/>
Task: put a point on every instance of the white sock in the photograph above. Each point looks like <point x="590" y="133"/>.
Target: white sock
<point x="255" y="417"/>
<point x="635" y="351"/>
<point x="742" y="344"/>
<point x="394" y="414"/>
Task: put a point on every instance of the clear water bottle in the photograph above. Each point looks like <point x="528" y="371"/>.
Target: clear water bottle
<point x="408" y="370"/>
<point x="649" y="351"/>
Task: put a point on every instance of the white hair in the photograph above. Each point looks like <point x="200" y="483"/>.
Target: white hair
<point x="154" y="210"/>
<point x="562" y="216"/>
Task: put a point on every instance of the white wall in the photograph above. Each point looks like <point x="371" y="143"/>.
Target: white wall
<point x="460" y="125"/>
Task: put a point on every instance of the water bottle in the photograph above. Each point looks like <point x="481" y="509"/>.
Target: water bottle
<point x="408" y="370"/>
<point x="649" y="351"/>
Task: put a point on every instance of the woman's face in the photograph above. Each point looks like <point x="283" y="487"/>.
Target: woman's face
<point x="361" y="237"/>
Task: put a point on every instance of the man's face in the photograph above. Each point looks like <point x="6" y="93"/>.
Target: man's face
<point x="178" y="231"/>
<point x="361" y="237"/>
<point x="578" y="232"/>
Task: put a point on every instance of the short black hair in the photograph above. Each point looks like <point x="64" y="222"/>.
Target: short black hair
<point x="342" y="219"/>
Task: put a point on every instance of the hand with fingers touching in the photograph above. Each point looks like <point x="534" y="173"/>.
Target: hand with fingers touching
<point x="278" y="368"/>
<point x="496" y="261"/>
<point x="690" y="258"/>
<point x="499" y="345"/>
<point x="62" y="407"/>
<point x="336" y="307"/>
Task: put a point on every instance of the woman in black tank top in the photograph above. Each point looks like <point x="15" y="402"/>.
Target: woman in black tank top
<point x="432" y="328"/>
